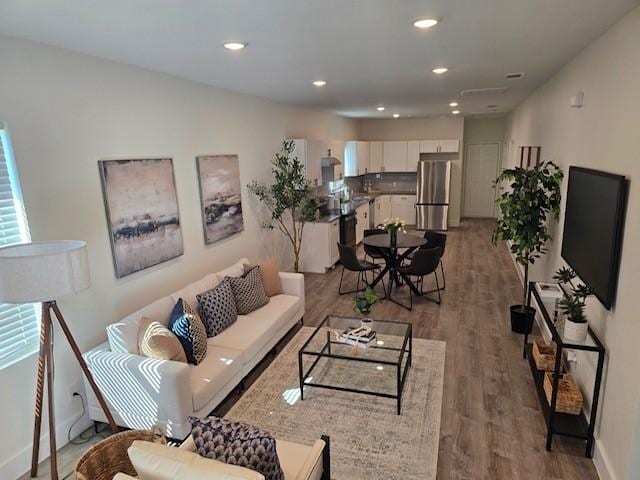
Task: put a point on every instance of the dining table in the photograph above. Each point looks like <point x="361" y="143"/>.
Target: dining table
<point x="394" y="253"/>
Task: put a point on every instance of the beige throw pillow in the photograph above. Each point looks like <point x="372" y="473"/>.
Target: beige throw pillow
<point x="270" y="276"/>
<point x="153" y="461"/>
<point x="157" y="341"/>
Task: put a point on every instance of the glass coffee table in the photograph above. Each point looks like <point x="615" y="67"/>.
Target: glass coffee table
<point x="379" y="369"/>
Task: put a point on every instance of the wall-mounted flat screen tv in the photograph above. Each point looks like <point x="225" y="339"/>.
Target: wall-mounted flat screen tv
<point x="593" y="225"/>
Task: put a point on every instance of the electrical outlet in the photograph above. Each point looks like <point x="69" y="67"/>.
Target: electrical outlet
<point x="76" y="389"/>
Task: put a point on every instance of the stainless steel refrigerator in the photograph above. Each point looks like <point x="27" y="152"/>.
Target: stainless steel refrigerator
<point x="432" y="194"/>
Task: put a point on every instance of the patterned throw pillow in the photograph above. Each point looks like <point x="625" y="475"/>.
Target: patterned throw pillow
<point x="218" y="308"/>
<point x="237" y="444"/>
<point x="157" y="341"/>
<point x="248" y="291"/>
<point x="187" y="326"/>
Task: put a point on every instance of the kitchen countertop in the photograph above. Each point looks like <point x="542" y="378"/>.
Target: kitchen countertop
<point x="358" y="200"/>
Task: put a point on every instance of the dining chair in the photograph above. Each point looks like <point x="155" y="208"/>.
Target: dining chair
<point x="351" y="262"/>
<point x="437" y="239"/>
<point x="370" y="251"/>
<point x="424" y="262"/>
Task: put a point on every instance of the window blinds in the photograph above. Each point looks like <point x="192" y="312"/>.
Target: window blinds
<point x="19" y="324"/>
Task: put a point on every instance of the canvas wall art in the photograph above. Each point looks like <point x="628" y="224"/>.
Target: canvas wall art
<point x="221" y="203"/>
<point x="142" y="212"/>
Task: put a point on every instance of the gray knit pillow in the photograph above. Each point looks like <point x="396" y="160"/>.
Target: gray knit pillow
<point x="248" y="291"/>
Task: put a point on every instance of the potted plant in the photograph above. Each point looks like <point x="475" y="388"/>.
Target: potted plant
<point x="290" y="199"/>
<point x="533" y="197"/>
<point x="393" y="225"/>
<point x="363" y="302"/>
<point x="572" y="306"/>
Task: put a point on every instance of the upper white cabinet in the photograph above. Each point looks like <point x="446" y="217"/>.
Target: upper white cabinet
<point x="375" y="157"/>
<point x="413" y="155"/>
<point x="356" y="158"/>
<point x="439" y="146"/>
<point x="310" y="153"/>
<point x="394" y="156"/>
<point x="338" y="150"/>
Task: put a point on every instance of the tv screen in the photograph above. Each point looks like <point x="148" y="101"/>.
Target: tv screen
<point x="593" y="223"/>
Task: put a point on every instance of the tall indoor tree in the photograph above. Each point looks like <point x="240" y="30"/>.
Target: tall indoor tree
<point x="289" y="199"/>
<point x="533" y="197"/>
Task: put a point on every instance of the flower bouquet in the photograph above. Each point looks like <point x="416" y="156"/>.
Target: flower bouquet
<point x="393" y="226"/>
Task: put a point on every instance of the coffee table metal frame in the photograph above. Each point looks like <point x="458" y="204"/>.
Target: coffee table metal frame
<point x="326" y="352"/>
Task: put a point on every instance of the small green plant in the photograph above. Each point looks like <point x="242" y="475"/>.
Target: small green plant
<point x="573" y="302"/>
<point x="363" y="302"/>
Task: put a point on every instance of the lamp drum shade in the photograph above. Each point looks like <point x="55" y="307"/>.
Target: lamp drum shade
<point x="43" y="271"/>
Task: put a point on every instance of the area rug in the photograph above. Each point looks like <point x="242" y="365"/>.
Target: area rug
<point x="368" y="439"/>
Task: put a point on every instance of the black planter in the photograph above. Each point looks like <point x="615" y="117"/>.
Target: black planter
<point x="522" y="318"/>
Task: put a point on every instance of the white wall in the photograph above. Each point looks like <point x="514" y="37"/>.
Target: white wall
<point x="66" y="111"/>
<point x="601" y="135"/>
<point x="431" y="128"/>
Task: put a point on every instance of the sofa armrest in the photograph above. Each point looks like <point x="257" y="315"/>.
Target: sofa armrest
<point x="292" y="283"/>
<point x="140" y="387"/>
<point x="123" y="476"/>
<point x="313" y="466"/>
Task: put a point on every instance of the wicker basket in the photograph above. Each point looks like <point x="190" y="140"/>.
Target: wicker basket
<point x="569" y="398"/>
<point x="544" y="355"/>
<point x="105" y="459"/>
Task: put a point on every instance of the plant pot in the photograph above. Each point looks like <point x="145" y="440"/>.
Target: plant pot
<point x="575" y="332"/>
<point x="522" y="318"/>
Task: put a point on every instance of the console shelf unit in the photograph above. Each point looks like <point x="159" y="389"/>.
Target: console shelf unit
<point x="574" y="426"/>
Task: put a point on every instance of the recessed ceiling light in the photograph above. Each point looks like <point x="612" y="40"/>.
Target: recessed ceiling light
<point x="380" y="109"/>
<point x="320" y="83"/>
<point x="453" y="104"/>
<point x="396" y="115"/>
<point x="234" y="45"/>
<point x="456" y="112"/>
<point x="440" y="70"/>
<point x="425" y="23"/>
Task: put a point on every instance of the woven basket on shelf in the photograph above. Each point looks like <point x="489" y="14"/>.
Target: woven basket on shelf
<point x="569" y="398"/>
<point x="544" y="354"/>
<point x="108" y="457"/>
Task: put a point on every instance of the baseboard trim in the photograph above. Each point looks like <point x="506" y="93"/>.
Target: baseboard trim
<point x="20" y="463"/>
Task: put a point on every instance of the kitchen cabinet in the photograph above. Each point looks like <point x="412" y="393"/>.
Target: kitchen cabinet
<point x="375" y="157"/>
<point x="337" y="150"/>
<point x="320" y="246"/>
<point x="394" y="156"/>
<point x="439" y="146"/>
<point x="362" y="221"/>
<point x="413" y="155"/>
<point x="403" y="207"/>
<point x="382" y="209"/>
<point x="356" y="158"/>
<point x="309" y="152"/>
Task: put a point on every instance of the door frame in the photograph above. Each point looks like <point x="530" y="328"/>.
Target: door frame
<point x="464" y="174"/>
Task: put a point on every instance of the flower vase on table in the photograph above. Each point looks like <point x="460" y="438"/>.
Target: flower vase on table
<point x="393" y="225"/>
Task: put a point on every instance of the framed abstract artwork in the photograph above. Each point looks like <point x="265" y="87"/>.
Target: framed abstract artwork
<point x="220" y="196"/>
<point x="141" y="203"/>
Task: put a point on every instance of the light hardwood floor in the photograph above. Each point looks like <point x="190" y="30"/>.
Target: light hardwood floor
<point x="492" y="426"/>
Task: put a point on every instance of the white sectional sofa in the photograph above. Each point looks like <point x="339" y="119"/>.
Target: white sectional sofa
<point x="142" y="392"/>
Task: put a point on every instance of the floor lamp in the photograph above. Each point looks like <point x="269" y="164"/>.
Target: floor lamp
<point x="44" y="272"/>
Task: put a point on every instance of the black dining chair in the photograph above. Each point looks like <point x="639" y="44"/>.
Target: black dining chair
<point x="351" y="262"/>
<point x="424" y="262"/>
<point x="437" y="239"/>
<point x="374" y="252"/>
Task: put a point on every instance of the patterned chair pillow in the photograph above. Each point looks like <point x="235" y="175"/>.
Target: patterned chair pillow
<point x="218" y="308"/>
<point x="248" y="291"/>
<point x="237" y="444"/>
<point x="187" y="326"/>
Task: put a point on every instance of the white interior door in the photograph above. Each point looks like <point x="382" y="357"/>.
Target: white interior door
<point x="481" y="168"/>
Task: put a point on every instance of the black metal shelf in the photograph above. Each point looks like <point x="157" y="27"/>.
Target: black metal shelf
<point x="575" y="426"/>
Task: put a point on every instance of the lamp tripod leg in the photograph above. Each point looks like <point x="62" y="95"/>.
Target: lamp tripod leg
<point x="85" y="369"/>
<point x="53" y="459"/>
<point x="44" y="339"/>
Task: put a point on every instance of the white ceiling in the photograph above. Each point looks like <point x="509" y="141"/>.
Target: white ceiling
<point x="367" y="50"/>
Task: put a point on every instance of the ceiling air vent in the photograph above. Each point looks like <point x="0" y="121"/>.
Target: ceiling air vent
<point x="484" y="91"/>
<point x="514" y="76"/>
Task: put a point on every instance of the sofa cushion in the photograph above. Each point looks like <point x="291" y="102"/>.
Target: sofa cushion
<point x="293" y="458"/>
<point x="235" y="270"/>
<point x="247" y="334"/>
<point x="217" y="308"/>
<point x="219" y="367"/>
<point x="270" y="276"/>
<point x="236" y="443"/>
<point x="123" y="335"/>
<point x="157" y="341"/>
<point x="154" y="461"/>
<point x="190" y="292"/>
<point x="279" y="311"/>
<point x="248" y="291"/>
<point x="185" y="323"/>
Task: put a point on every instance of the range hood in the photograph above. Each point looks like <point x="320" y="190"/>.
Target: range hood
<point x="329" y="160"/>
